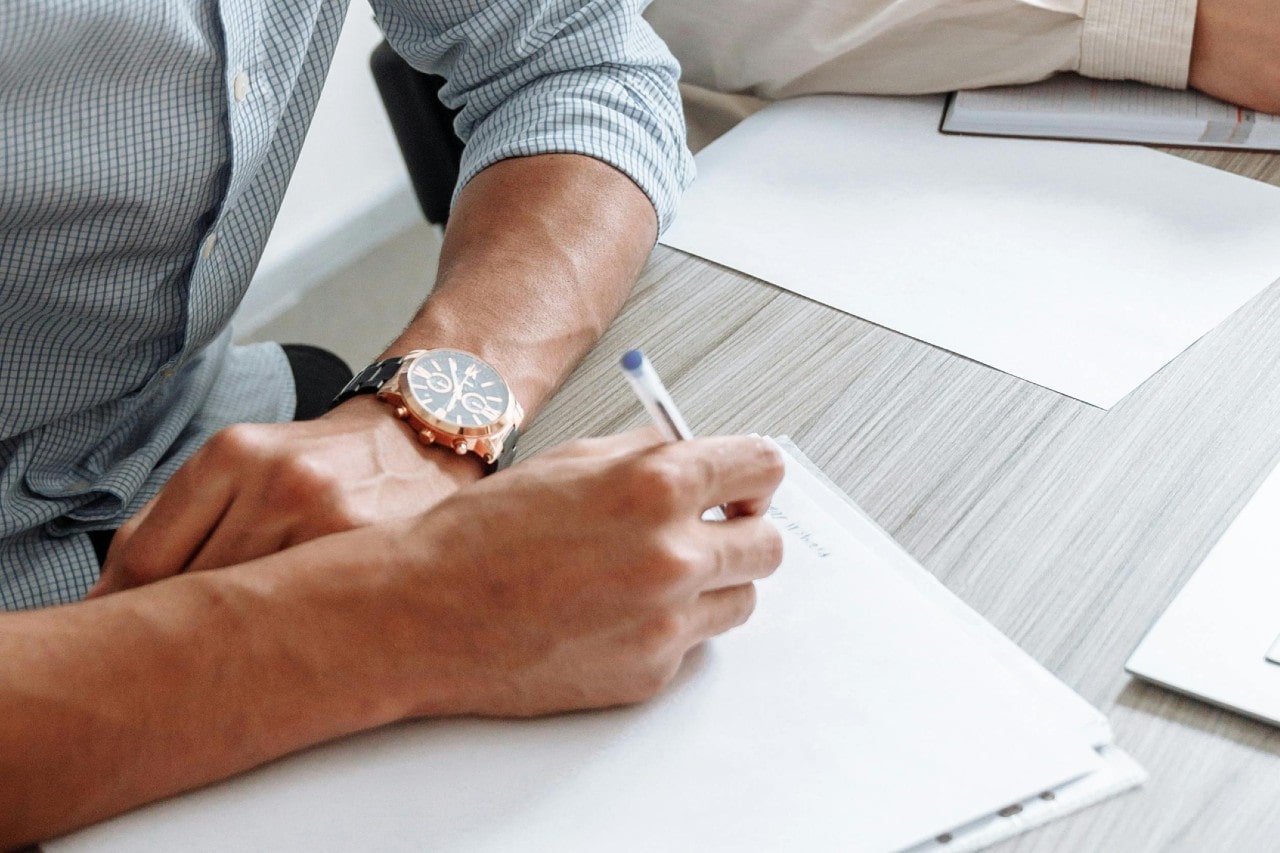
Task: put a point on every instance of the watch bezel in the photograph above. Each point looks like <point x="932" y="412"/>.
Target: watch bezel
<point x="399" y="386"/>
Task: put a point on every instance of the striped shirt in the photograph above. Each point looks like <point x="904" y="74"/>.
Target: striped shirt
<point x="146" y="149"/>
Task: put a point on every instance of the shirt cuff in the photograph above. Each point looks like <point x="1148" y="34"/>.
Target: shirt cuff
<point x="1146" y="40"/>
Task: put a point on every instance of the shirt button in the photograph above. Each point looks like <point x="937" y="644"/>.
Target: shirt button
<point x="240" y="86"/>
<point x="209" y="242"/>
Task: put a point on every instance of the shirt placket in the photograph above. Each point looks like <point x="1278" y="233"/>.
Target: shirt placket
<point x="215" y="288"/>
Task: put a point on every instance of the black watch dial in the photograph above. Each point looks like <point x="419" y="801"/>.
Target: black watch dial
<point x="457" y="388"/>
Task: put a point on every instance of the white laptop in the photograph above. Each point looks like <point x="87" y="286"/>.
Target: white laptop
<point x="1220" y="639"/>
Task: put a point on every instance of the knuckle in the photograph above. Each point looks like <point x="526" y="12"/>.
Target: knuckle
<point x="137" y="567"/>
<point x="672" y="564"/>
<point x="659" y="660"/>
<point x="644" y="686"/>
<point x="771" y="548"/>
<point x="237" y="441"/>
<point x="659" y="634"/>
<point x="769" y="459"/>
<point x="661" y="482"/>
<point x="746" y="605"/>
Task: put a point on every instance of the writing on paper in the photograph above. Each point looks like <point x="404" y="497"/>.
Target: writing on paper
<point x="798" y="531"/>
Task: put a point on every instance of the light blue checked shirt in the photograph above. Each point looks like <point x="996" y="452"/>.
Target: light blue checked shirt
<point x="146" y="148"/>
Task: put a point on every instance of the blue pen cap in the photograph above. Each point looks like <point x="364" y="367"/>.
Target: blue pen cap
<point x="631" y="360"/>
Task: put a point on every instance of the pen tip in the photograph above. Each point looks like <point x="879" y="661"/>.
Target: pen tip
<point x="632" y="359"/>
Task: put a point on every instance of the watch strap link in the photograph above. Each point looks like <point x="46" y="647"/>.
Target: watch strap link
<point x="369" y="381"/>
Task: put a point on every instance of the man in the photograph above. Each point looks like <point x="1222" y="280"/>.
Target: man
<point x="146" y="152"/>
<point x="146" y="149"/>
<point x="782" y="48"/>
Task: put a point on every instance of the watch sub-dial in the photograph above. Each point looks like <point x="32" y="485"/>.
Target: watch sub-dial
<point x="439" y="383"/>
<point x="480" y="409"/>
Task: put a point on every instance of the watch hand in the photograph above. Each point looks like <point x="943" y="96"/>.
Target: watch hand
<point x="457" y="388"/>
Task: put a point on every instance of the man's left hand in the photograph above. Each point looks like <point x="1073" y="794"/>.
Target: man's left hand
<point x="255" y="489"/>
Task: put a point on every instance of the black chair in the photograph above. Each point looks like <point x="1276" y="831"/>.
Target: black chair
<point x="423" y="128"/>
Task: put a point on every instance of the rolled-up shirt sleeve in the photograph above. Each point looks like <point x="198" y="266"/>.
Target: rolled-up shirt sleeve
<point x="552" y="76"/>
<point x="782" y="48"/>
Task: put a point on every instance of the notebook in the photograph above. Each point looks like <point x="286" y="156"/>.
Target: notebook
<point x="1073" y="107"/>
<point x="862" y="708"/>
<point x="1220" y="638"/>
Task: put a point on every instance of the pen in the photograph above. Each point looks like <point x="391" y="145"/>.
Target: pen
<point x="657" y="401"/>
<point x="644" y="380"/>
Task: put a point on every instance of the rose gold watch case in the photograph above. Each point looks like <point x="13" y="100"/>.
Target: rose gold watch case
<point x="484" y="441"/>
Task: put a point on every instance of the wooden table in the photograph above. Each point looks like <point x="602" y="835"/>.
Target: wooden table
<point x="1068" y="527"/>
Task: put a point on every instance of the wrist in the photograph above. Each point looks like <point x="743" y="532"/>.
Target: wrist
<point x="368" y="415"/>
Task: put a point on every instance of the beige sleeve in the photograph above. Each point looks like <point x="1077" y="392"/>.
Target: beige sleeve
<point x="780" y="48"/>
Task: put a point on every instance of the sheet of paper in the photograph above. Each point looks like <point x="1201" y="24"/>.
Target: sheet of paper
<point x="1215" y="639"/>
<point x="1080" y="267"/>
<point x="851" y="713"/>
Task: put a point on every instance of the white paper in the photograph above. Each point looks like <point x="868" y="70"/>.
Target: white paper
<point x="853" y="712"/>
<point x="1213" y="641"/>
<point x="1083" y="268"/>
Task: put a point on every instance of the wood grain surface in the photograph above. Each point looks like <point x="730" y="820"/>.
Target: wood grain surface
<point x="1068" y="527"/>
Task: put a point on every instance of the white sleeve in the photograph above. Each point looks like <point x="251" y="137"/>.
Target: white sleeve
<point x="780" y="48"/>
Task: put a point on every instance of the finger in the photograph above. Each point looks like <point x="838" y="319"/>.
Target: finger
<point x="173" y="530"/>
<point x="722" y="610"/>
<point x="725" y="469"/>
<point x="238" y="538"/>
<point x="107" y="575"/>
<point x="743" y="550"/>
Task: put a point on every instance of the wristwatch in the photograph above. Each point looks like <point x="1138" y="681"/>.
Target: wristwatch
<point x="448" y="397"/>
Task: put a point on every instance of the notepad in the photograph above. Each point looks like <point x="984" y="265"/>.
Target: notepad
<point x="862" y="708"/>
<point x="1072" y="107"/>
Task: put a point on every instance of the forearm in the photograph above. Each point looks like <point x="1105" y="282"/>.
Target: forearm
<point x="539" y="256"/>
<point x="115" y="702"/>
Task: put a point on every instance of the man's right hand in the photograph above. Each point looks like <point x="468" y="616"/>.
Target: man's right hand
<point x="580" y="578"/>
<point x="1236" y="52"/>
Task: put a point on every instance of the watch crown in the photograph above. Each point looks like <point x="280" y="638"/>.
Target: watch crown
<point x="402" y="412"/>
<point x="427" y="437"/>
<point x="460" y="446"/>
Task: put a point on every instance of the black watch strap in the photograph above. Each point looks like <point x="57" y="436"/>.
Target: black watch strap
<point x="507" y="456"/>
<point x="368" y="381"/>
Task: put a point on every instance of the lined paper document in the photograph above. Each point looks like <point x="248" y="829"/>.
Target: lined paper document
<point x="1072" y="107"/>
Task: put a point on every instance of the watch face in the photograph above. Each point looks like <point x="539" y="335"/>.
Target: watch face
<point x="458" y="389"/>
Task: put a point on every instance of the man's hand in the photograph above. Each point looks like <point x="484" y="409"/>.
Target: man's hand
<point x="255" y="489"/>
<point x="578" y="579"/>
<point x="1236" y="52"/>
